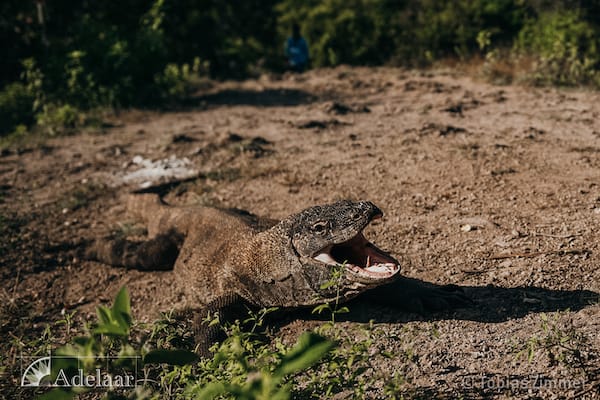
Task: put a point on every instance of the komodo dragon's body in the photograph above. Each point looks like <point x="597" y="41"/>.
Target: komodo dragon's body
<point x="223" y="257"/>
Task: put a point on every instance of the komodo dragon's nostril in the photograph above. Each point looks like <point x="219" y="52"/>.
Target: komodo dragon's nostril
<point x="374" y="211"/>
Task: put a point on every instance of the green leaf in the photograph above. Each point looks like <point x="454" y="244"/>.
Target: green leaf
<point x="309" y="349"/>
<point x="121" y="309"/>
<point x="327" y="285"/>
<point x="283" y="393"/>
<point x="211" y="391"/>
<point x="117" y="319"/>
<point x="104" y="315"/>
<point x="342" y="310"/>
<point x="56" y="394"/>
<point x="113" y="329"/>
<point x="320" y="308"/>
<point x="171" y="357"/>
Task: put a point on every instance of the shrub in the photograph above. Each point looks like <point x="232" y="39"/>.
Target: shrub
<point x="56" y="119"/>
<point x="337" y="31"/>
<point x="175" y="81"/>
<point x="452" y="28"/>
<point x="564" y="46"/>
<point x="16" y="107"/>
<point x="405" y="32"/>
<point x="242" y="367"/>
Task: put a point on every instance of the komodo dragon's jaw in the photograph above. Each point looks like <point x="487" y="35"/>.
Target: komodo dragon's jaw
<point x="332" y="235"/>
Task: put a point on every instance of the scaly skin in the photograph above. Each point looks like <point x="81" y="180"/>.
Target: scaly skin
<point x="222" y="258"/>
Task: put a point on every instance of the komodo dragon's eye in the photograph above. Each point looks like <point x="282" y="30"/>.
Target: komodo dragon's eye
<point x="320" y="227"/>
<point x="355" y="216"/>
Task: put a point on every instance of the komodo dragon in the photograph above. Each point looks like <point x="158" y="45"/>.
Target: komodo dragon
<point x="223" y="258"/>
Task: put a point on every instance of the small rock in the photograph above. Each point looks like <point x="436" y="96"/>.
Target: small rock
<point x="183" y="138"/>
<point x="65" y="210"/>
<point x="338" y="108"/>
<point x="516" y="234"/>
<point x="234" y="137"/>
<point x="467" y="228"/>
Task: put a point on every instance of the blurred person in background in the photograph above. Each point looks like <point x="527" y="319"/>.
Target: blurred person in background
<point x="296" y="50"/>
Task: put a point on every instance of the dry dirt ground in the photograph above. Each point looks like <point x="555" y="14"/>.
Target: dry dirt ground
<point x="493" y="188"/>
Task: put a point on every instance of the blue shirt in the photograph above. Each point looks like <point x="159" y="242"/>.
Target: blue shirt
<point x="296" y="51"/>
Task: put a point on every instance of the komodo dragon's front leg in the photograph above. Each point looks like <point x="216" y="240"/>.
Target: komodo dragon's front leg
<point x="229" y="307"/>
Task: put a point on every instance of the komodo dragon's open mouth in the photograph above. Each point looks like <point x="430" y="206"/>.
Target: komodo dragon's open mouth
<point x="360" y="257"/>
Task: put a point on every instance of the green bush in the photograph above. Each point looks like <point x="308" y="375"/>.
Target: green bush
<point x="106" y="64"/>
<point x="16" y="107"/>
<point x="56" y="119"/>
<point x="405" y="32"/>
<point x="565" y="48"/>
<point x="242" y="367"/>
<point x="86" y="55"/>
<point x="443" y="29"/>
<point x="338" y="31"/>
<point x="175" y="81"/>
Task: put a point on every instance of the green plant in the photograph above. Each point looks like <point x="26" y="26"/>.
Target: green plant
<point x="246" y="367"/>
<point x="33" y="79"/>
<point x="174" y="82"/>
<point x="81" y="195"/>
<point x="338" y="32"/>
<point x="335" y="281"/>
<point x="349" y="365"/>
<point x="562" y="344"/>
<point x="67" y="320"/>
<point x="107" y="348"/>
<point x="16" y="107"/>
<point x="245" y="370"/>
<point x="54" y="119"/>
<point x="564" y="46"/>
<point x="243" y="366"/>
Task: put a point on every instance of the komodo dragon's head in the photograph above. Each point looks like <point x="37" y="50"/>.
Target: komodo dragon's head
<point x="329" y="238"/>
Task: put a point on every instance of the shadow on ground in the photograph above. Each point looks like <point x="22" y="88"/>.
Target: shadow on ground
<point x="491" y="304"/>
<point x="259" y="98"/>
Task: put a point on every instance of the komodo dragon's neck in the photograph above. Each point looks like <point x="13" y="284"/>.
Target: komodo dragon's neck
<point x="267" y="272"/>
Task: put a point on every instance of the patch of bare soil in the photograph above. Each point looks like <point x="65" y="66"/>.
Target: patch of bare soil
<point x="495" y="189"/>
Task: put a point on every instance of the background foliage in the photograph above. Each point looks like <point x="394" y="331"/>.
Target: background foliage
<point x="62" y="58"/>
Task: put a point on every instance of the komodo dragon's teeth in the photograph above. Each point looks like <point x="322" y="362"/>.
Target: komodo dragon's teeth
<point x="387" y="267"/>
<point x="325" y="258"/>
